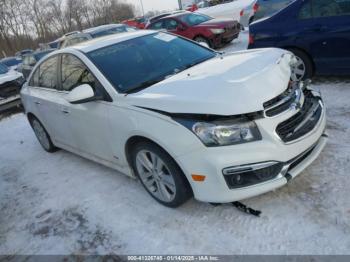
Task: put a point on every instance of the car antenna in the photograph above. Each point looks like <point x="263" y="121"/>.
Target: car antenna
<point x="242" y="207"/>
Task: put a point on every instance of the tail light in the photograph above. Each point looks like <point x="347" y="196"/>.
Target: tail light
<point x="255" y="7"/>
<point x="251" y="39"/>
<point x="241" y="13"/>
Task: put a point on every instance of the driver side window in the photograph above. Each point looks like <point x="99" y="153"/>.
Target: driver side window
<point x="171" y="24"/>
<point x="75" y="73"/>
<point x="157" y="25"/>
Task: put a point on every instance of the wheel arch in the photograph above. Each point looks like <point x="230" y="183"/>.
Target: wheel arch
<point x="31" y="116"/>
<point x="203" y="36"/>
<point x="288" y="47"/>
<point x="135" y="139"/>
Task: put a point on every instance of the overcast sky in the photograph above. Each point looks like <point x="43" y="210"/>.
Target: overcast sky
<point x="150" y="5"/>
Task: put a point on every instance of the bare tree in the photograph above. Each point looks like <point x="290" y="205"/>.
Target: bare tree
<point x="26" y="23"/>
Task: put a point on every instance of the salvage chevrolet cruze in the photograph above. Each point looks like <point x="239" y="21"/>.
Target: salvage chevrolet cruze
<point x="182" y="118"/>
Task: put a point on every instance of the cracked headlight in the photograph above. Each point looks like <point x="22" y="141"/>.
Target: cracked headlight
<point x="224" y="133"/>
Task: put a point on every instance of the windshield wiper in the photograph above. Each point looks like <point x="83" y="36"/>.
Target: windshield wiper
<point x="143" y="85"/>
<point x="151" y="82"/>
<point x="196" y="63"/>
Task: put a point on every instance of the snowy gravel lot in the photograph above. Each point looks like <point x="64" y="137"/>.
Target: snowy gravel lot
<point x="61" y="203"/>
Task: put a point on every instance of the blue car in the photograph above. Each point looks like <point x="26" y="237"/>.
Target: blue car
<point x="316" y="31"/>
<point x="11" y="62"/>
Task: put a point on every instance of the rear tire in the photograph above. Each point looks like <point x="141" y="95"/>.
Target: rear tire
<point x="42" y="135"/>
<point x="160" y="175"/>
<point x="304" y="68"/>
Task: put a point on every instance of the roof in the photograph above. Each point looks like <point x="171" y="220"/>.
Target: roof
<point x="179" y="14"/>
<point x="101" y="42"/>
<point x="166" y="14"/>
<point x="101" y="28"/>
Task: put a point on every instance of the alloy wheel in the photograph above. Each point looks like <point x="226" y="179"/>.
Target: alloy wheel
<point x="298" y="70"/>
<point x="155" y="175"/>
<point x="41" y="134"/>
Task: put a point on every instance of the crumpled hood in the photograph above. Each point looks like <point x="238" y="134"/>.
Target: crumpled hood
<point x="237" y="83"/>
<point x="9" y="76"/>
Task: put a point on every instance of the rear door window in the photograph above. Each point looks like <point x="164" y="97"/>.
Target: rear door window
<point x="305" y="11"/>
<point x="324" y="8"/>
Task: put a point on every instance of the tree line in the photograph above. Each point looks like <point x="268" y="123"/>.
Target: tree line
<point x="26" y="23"/>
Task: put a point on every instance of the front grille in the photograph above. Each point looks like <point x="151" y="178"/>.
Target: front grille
<point x="249" y="178"/>
<point x="303" y="122"/>
<point x="282" y="102"/>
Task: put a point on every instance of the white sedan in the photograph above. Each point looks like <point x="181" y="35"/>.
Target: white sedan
<point x="184" y="119"/>
<point x="240" y="10"/>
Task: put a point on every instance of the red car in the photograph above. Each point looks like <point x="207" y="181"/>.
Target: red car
<point x="201" y="28"/>
<point x="136" y="22"/>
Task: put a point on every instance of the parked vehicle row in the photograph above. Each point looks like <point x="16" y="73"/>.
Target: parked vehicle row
<point x="95" y="32"/>
<point x="184" y="119"/>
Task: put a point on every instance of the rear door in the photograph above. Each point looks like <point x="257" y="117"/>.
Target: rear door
<point x="332" y="19"/>
<point x="326" y="31"/>
<point x="50" y="103"/>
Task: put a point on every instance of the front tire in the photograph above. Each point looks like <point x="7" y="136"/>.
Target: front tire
<point x="42" y="135"/>
<point x="304" y="67"/>
<point x="160" y="175"/>
<point x="200" y="39"/>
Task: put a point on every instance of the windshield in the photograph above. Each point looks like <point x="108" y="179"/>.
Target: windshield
<point x="141" y="62"/>
<point x="3" y="69"/>
<point x="194" y="19"/>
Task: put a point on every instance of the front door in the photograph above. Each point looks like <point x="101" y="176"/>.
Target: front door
<point x="89" y="121"/>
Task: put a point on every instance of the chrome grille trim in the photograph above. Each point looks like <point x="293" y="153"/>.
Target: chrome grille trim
<point x="290" y="99"/>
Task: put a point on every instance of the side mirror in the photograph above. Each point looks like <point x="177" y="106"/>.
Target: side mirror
<point x="81" y="94"/>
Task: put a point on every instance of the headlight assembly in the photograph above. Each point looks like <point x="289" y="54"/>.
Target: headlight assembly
<point x="224" y="132"/>
<point x="217" y="31"/>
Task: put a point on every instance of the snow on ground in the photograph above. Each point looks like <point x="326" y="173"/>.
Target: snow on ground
<point x="61" y="203"/>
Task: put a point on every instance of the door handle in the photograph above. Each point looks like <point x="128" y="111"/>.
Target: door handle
<point x="37" y="103"/>
<point x="65" y="111"/>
